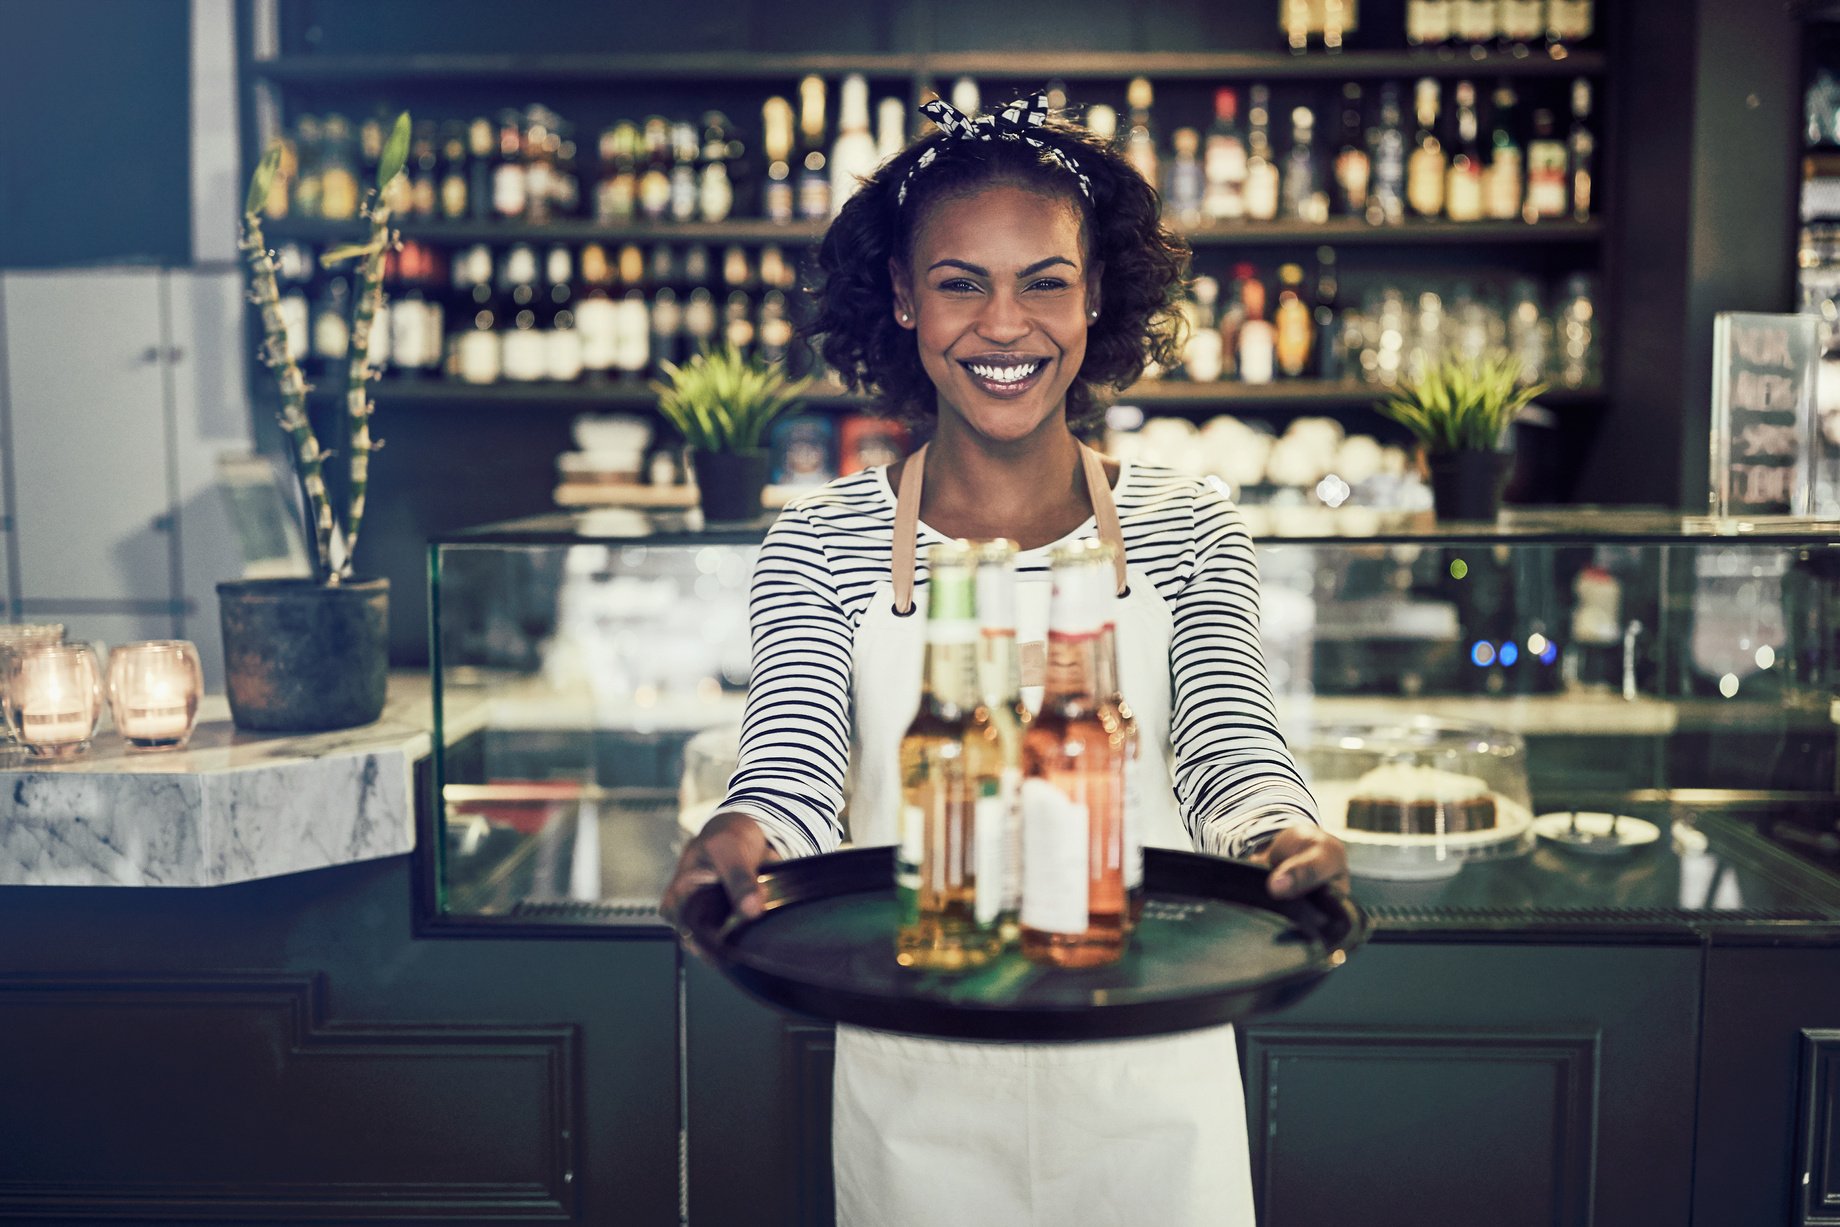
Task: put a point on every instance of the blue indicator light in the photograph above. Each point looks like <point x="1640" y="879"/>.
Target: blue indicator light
<point x="1509" y="654"/>
<point x="1549" y="653"/>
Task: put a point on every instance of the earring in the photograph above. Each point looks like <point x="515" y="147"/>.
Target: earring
<point x="1092" y="315"/>
<point x="904" y="317"/>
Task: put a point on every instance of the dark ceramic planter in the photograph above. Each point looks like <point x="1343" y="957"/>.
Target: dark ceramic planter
<point x="1468" y="485"/>
<point x="303" y="657"/>
<point x="730" y="483"/>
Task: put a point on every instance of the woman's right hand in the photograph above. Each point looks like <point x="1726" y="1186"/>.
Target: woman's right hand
<point x="731" y="850"/>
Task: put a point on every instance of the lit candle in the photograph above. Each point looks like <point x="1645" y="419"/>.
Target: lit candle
<point x="153" y="691"/>
<point x="54" y="698"/>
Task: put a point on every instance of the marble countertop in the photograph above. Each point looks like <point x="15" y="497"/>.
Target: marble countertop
<point x="231" y="807"/>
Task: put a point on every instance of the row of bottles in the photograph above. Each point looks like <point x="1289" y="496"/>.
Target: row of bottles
<point x="1018" y="827"/>
<point x="1517" y="27"/>
<point x="1452" y="158"/>
<point x="522" y="315"/>
<point x="527" y="167"/>
<point x="1307" y="328"/>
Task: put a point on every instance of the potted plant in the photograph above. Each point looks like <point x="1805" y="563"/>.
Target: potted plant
<point x="1460" y="411"/>
<point x="309" y="654"/>
<point x="722" y="402"/>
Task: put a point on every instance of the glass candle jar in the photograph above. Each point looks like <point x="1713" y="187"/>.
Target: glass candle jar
<point x="154" y="688"/>
<point x="17" y="635"/>
<point x="54" y="697"/>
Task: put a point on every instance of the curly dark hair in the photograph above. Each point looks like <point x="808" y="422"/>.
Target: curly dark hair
<point x="1145" y="265"/>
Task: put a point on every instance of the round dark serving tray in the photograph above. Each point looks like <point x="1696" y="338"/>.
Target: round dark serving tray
<point x="1213" y="947"/>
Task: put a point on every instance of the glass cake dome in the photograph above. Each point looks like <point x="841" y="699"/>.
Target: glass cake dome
<point x="1416" y="798"/>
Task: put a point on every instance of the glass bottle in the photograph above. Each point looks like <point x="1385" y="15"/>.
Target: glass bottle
<point x="1425" y="169"/>
<point x="1186" y="182"/>
<point x="890" y="128"/>
<point x="481" y="145"/>
<point x="777" y="201"/>
<point x="952" y="820"/>
<point x="1073" y="901"/>
<point x="1582" y="146"/>
<point x="424" y="172"/>
<point x="1295" y="328"/>
<point x="1121" y="722"/>
<point x="1261" y="165"/>
<point x="1140" y="141"/>
<point x="1000" y="683"/>
<point x="1522" y="23"/>
<point x="1299" y="180"/>
<point x="655" y="179"/>
<point x="1568" y="23"/>
<point x="715" y="191"/>
<point x="339" y="191"/>
<point x="510" y="184"/>
<point x="1463" y="180"/>
<point x="1505" y="179"/>
<point x="1224" y="161"/>
<point x="1201" y="357"/>
<point x="307" y="184"/>
<point x="1386" y="201"/>
<point x="1257" y="339"/>
<point x="596" y="316"/>
<point x="1328" y="346"/>
<point x="616" y="196"/>
<point x="563" y="356"/>
<point x="1428" y="22"/>
<point x="1546" y="171"/>
<point x="1352" y="168"/>
<point x="814" y="188"/>
<point x="685" y="149"/>
<point x="854" y="157"/>
<point x="454" y="185"/>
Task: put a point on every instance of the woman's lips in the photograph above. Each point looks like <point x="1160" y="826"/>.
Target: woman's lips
<point x="1000" y="379"/>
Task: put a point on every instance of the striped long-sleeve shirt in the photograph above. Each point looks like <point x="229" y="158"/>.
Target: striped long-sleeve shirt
<point x="1235" y="780"/>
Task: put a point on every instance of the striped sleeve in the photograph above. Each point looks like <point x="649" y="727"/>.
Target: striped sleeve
<point x="795" y="730"/>
<point x="1235" y="778"/>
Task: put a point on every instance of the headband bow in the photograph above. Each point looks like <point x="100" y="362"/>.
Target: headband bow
<point x="1010" y="122"/>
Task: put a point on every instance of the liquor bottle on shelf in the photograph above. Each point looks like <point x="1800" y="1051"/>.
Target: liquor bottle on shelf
<point x="1261" y="159"/>
<point x="307" y="182"/>
<point x="565" y="183"/>
<point x="1581" y="149"/>
<point x="1428" y="22"/>
<point x="1328" y="357"/>
<point x="540" y="146"/>
<point x="1187" y="184"/>
<point x="616" y="197"/>
<point x="1463" y="181"/>
<point x="454" y="184"/>
<point x="685" y="148"/>
<point x="1256" y="354"/>
<point x="1121" y="723"/>
<point x="966" y="96"/>
<point x="1568" y="23"/>
<point x="699" y="320"/>
<point x="775" y="329"/>
<point x="854" y="156"/>
<point x="715" y="189"/>
<point x="523" y="351"/>
<point x="738" y="327"/>
<point x="330" y="338"/>
<point x="1232" y="318"/>
<point x="509" y="183"/>
<point x="1425" y="169"/>
<point x="1102" y="122"/>
<point x="1201" y="357"/>
<point x="1504" y="181"/>
<point x="1300" y="197"/>
<point x="655" y="175"/>
<point x="596" y="315"/>
<point x="1476" y="25"/>
<point x="1295" y="341"/>
<point x="481" y="149"/>
<point x="1546" y="171"/>
<point x="1140" y="141"/>
<point x="1386" y="198"/>
<point x="423" y="170"/>
<point x="339" y="192"/>
<point x="775" y="270"/>
<point x="1000" y="691"/>
<point x="890" y="128"/>
<point x="1295" y="18"/>
<point x="633" y="345"/>
<point x="1224" y="163"/>
<point x="814" y="185"/>
<point x="370" y="148"/>
<point x="1352" y="166"/>
<point x="478" y="352"/>
<point x="563" y="356"/>
<point x="661" y="268"/>
<point x="948" y="876"/>
<point x="1577" y="334"/>
<point x="1521" y="25"/>
<point x="737" y="274"/>
<point x="630" y="268"/>
<point x="779" y="198"/>
<point x="1073" y="901"/>
<point x="667" y="324"/>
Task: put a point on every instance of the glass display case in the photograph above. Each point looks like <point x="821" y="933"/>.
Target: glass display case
<point x="1454" y="695"/>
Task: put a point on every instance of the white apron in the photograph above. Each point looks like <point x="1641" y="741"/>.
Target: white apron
<point x="1126" y="1132"/>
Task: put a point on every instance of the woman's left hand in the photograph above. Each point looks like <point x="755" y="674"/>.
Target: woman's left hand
<point x="1303" y="858"/>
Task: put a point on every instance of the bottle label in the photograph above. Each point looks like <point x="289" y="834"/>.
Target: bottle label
<point x="1261" y="189"/>
<point x="1425" y="182"/>
<point x="508" y="190"/>
<point x="479" y="356"/>
<point x="1463" y="192"/>
<point x="1056" y="832"/>
<point x="1503" y="191"/>
<point x="1520" y="19"/>
<point x="911" y="850"/>
<point x="1546" y="179"/>
<point x="1133" y="823"/>
<point x="989" y="829"/>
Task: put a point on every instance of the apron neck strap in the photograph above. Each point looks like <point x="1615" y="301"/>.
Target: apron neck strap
<point x="907" y="522"/>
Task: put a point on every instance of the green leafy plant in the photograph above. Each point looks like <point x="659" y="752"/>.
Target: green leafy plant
<point x="723" y="401"/>
<point x="335" y="538"/>
<point x="1462" y="405"/>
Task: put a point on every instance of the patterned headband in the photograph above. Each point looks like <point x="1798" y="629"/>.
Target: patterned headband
<point x="1011" y="122"/>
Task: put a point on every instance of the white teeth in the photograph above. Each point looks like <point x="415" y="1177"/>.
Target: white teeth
<point x="1004" y="374"/>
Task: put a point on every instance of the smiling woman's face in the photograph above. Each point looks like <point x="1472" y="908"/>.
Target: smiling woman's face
<point x="997" y="296"/>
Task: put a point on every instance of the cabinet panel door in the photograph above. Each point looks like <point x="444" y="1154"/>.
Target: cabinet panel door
<point x="85" y="375"/>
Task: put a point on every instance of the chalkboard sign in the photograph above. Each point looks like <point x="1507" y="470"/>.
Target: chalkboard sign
<point x="1764" y="369"/>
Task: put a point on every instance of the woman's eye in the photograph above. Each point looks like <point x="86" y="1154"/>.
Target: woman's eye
<point x="958" y="285"/>
<point x="1048" y="283"/>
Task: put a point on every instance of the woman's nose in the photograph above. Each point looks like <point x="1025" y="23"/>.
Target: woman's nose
<point x="1003" y="320"/>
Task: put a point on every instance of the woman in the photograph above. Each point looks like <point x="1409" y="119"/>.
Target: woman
<point x="997" y="278"/>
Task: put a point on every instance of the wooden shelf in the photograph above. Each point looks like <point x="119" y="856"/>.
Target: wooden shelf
<point x="1031" y="67"/>
<point x="1171" y="396"/>
<point x="1338" y="232"/>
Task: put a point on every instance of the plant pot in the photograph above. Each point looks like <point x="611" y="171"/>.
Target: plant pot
<point x="302" y="657"/>
<point x="730" y="483"/>
<point x="1468" y="485"/>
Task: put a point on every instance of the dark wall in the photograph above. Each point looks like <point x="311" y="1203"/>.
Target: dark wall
<point x="95" y="142"/>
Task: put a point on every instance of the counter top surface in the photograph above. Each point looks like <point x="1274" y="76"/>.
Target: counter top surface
<point x="231" y="807"/>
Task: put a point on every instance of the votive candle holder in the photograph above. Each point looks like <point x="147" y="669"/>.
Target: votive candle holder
<point x="54" y="697"/>
<point x="154" y="687"/>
